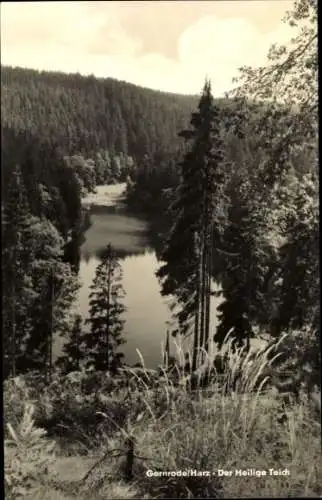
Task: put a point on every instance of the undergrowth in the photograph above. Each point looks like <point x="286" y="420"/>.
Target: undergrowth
<point x="234" y="425"/>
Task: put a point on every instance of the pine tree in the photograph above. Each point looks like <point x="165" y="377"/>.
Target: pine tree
<point x="106" y="309"/>
<point x="188" y="256"/>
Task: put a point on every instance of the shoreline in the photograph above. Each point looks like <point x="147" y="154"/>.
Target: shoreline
<point x="107" y="195"/>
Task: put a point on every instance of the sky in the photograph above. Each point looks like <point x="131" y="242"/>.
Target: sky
<point x="165" y="45"/>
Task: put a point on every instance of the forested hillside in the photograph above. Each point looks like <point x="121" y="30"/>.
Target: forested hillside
<point x="87" y="114"/>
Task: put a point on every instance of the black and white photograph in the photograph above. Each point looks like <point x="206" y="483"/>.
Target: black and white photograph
<point x="160" y="250"/>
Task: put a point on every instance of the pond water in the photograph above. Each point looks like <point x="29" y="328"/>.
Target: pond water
<point x="147" y="311"/>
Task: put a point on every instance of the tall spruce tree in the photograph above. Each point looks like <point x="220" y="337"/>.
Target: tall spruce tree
<point x="106" y="309"/>
<point x="187" y="271"/>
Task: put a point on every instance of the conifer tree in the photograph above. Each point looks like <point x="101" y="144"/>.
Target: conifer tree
<point x="187" y="271"/>
<point x="105" y="314"/>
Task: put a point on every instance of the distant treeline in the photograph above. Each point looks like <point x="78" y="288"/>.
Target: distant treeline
<point x="88" y="114"/>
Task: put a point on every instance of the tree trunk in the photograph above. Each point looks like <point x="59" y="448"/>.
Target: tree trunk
<point x="48" y="341"/>
<point x="13" y="339"/>
<point x="197" y="309"/>
<point x="203" y="296"/>
<point x="129" y="460"/>
<point x="205" y="279"/>
<point x="107" y="331"/>
<point x="13" y="329"/>
<point x="208" y="291"/>
<point x="166" y="351"/>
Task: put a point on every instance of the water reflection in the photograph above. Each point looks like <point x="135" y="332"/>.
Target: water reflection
<point x="129" y="235"/>
<point x="120" y="253"/>
<point x="148" y="317"/>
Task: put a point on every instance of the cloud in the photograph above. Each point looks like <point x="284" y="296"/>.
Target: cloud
<point x="115" y="41"/>
<point x="218" y="47"/>
<point x="159" y="24"/>
<point x="46" y="23"/>
<point x="164" y="45"/>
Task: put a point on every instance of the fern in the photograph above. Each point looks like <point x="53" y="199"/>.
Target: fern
<point x="28" y="454"/>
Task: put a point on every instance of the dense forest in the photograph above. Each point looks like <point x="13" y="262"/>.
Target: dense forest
<point x="62" y="135"/>
<point x="87" y="114"/>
